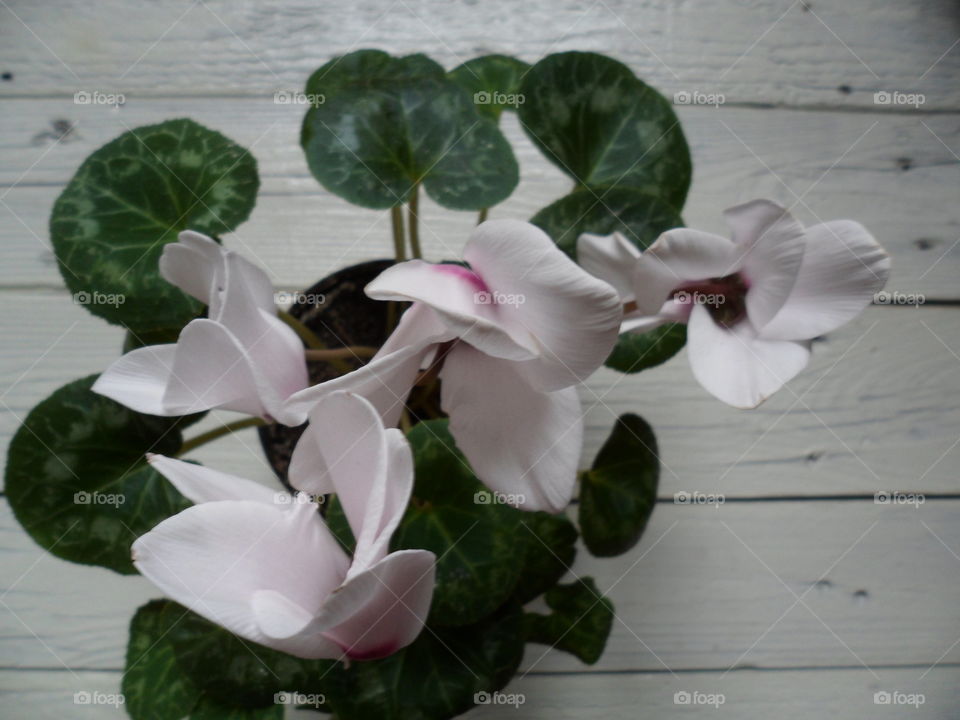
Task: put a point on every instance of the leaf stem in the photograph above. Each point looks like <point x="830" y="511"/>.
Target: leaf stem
<point x="309" y="337"/>
<point x="206" y="437"/>
<point x="349" y="352"/>
<point x="483" y="215"/>
<point x="413" y="219"/>
<point x="399" y="246"/>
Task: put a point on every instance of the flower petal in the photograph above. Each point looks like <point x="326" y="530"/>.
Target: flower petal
<point x="771" y="243"/>
<point x="202" y="484"/>
<point x="195" y="264"/>
<point x="519" y="441"/>
<point x="382" y="609"/>
<point x="735" y="365"/>
<point x="843" y="267"/>
<point x="460" y="298"/>
<point x="139" y="379"/>
<point x="214" y="557"/>
<point x="679" y="257"/>
<point x="610" y="258"/>
<point x="574" y="317"/>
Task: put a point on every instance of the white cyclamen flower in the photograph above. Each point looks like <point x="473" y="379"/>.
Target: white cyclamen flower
<point x="241" y="357"/>
<point x="752" y="304"/>
<point x="513" y="334"/>
<point x="265" y="566"/>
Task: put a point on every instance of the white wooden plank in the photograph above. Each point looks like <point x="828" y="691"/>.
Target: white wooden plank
<point x="763" y="51"/>
<point x="845" y="694"/>
<point x="897" y="174"/>
<point x="877" y="408"/>
<point x="707" y="588"/>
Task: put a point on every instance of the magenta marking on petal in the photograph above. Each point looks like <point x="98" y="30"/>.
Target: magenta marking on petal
<point x="376" y="653"/>
<point x="466" y="273"/>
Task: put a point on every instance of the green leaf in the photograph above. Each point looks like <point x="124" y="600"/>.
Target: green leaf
<point x="493" y="81"/>
<point x="639" y="351"/>
<point x="209" y="708"/>
<point x="597" y="122"/>
<point x="131" y="197"/>
<point x="436" y="677"/>
<point x="474" y="540"/>
<point x="77" y="479"/>
<point x="383" y="124"/>
<point x="235" y="672"/>
<point x="619" y="492"/>
<point x="550" y="548"/>
<point x="640" y="217"/>
<point x="579" y="624"/>
<point x="154" y="686"/>
<point x="637" y="215"/>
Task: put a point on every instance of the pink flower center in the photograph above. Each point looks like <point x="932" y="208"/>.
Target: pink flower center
<point x="724" y="297"/>
<point x="466" y="273"/>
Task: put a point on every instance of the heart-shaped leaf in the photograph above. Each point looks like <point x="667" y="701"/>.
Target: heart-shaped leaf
<point x="474" y="537"/>
<point x="131" y="197"/>
<point x="441" y="675"/>
<point x="550" y="542"/>
<point x="640" y="217"/>
<point x="619" y="492"/>
<point x="493" y="81"/>
<point x="579" y="624"/>
<point x="597" y="122"/>
<point x="381" y="125"/>
<point x="77" y="479"/>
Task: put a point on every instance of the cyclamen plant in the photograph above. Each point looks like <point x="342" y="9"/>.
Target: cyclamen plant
<point x="427" y="438"/>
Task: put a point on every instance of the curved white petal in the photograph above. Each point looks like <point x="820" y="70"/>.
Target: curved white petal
<point x="735" y="365"/>
<point x="574" y="317"/>
<point x="382" y="609"/>
<point x="139" y="379"/>
<point x="610" y="258"/>
<point x="461" y="298"/>
<point x="214" y="557"/>
<point x="195" y="264"/>
<point x="679" y="257"/>
<point x="843" y="267"/>
<point x="202" y="484"/>
<point x="519" y="441"/>
<point x="771" y="242"/>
